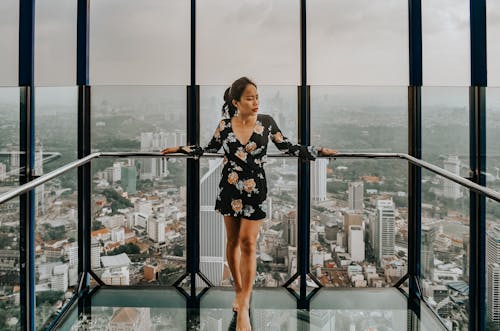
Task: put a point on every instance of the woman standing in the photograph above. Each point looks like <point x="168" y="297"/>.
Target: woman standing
<point x="243" y="134"/>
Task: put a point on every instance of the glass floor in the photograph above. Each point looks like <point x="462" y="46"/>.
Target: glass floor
<point x="271" y="309"/>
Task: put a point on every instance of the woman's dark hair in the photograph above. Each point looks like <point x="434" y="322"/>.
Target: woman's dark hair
<point x="234" y="93"/>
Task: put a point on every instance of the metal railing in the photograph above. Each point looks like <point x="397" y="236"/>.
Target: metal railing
<point x="492" y="194"/>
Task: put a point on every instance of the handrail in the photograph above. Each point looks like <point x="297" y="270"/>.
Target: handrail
<point x="492" y="194"/>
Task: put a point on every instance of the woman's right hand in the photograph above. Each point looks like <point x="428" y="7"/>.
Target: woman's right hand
<point x="170" y="150"/>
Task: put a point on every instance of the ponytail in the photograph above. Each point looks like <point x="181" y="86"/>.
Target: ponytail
<point x="234" y="93"/>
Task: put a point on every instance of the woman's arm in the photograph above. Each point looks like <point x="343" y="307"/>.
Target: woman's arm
<point x="194" y="150"/>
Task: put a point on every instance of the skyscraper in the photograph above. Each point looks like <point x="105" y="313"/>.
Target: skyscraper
<point x="383" y="231"/>
<point x="451" y="189"/>
<point x="493" y="274"/>
<point x="356" y="243"/>
<point x="156" y="230"/>
<point x="128" y="178"/>
<point x="351" y="218"/>
<point x="356" y="196"/>
<point x="212" y="229"/>
<point x="427" y="253"/>
<point x="318" y="180"/>
<point x="290" y="228"/>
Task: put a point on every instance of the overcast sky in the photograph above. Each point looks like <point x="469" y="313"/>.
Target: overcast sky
<point x="355" y="42"/>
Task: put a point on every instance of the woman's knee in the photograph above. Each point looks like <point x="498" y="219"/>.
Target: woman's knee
<point x="248" y="244"/>
<point x="232" y="243"/>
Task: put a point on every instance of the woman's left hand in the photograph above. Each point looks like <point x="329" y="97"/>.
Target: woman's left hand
<point x="327" y="152"/>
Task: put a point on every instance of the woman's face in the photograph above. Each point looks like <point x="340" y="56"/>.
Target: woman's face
<point x="249" y="101"/>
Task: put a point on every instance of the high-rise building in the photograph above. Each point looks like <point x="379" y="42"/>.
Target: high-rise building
<point x="318" y="180"/>
<point x="152" y="168"/>
<point x="331" y="230"/>
<point x="451" y="189"/>
<point x="383" y="229"/>
<point x="156" y="230"/>
<point x="129" y="179"/>
<point x="356" y="243"/>
<point x="14" y="160"/>
<point x="59" y="279"/>
<point x="351" y="218"/>
<point x="95" y="254"/>
<point x="427" y="251"/>
<point x="3" y="172"/>
<point x="290" y="228"/>
<point x="72" y="251"/>
<point x="493" y="274"/>
<point x="356" y="190"/>
<point x="212" y="229"/>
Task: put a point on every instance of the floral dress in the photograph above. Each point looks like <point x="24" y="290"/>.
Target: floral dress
<point x="243" y="187"/>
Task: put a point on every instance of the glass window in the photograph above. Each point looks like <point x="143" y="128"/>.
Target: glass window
<point x="446" y="42"/>
<point x="445" y="127"/>
<point x="55" y="42"/>
<point x="359" y="42"/>
<point x="146" y="42"/>
<point x="493" y="35"/>
<point x="260" y="39"/>
<point x="9" y="42"/>
<point x="56" y="132"/>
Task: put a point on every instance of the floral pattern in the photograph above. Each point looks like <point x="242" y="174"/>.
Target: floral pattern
<point x="243" y="187"/>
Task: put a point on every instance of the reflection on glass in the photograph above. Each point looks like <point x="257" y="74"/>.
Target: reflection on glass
<point x="9" y="42"/>
<point x="357" y="42"/>
<point x="152" y="48"/>
<point x="493" y="209"/>
<point x="360" y="119"/>
<point x="55" y="42"/>
<point x="445" y="246"/>
<point x="138" y="118"/>
<point x="9" y="211"/>
<point x="446" y="42"/>
<point x="56" y="247"/>
<point x="359" y="222"/>
<point x="138" y="225"/>
<point x="277" y="242"/>
<point x="56" y="133"/>
<point x="445" y="128"/>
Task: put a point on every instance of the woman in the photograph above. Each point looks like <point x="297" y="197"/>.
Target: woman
<point x="243" y="134"/>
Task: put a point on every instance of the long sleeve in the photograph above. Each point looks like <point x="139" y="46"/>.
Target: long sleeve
<point x="212" y="147"/>
<point x="285" y="146"/>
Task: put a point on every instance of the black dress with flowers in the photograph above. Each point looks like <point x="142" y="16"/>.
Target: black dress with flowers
<point x="243" y="187"/>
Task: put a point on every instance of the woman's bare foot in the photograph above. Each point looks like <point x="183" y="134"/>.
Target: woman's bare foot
<point x="243" y="319"/>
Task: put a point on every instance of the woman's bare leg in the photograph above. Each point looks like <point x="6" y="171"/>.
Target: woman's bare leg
<point x="233" y="254"/>
<point x="249" y="230"/>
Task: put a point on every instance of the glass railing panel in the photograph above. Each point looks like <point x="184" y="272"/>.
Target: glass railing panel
<point x="445" y="128"/>
<point x="138" y="118"/>
<point x="56" y="247"/>
<point x="492" y="258"/>
<point x="9" y="211"/>
<point x="359" y="222"/>
<point x="360" y="118"/>
<point x="9" y="42"/>
<point x="56" y="128"/>
<point x="445" y="246"/>
<point x="138" y="220"/>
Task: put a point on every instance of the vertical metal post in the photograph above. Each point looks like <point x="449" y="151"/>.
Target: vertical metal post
<point x="193" y="185"/>
<point x="27" y="160"/>
<point x="415" y="150"/>
<point x="84" y="149"/>
<point x="303" y="199"/>
<point x="477" y="155"/>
